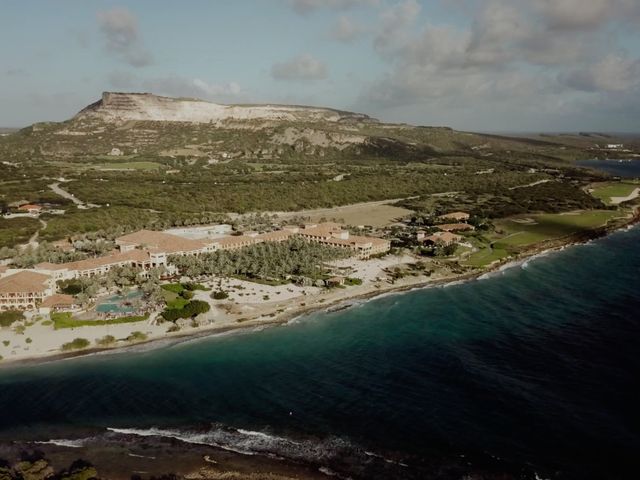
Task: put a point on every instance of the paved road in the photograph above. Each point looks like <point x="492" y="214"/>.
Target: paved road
<point x="63" y="193"/>
<point x="532" y="184"/>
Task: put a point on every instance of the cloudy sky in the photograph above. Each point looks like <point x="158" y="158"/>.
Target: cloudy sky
<point x="486" y="65"/>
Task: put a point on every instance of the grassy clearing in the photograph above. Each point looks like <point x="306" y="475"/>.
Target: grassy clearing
<point x="129" y="166"/>
<point x="550" y="226"/>
<point x="606" y="191"/>
<point x="65" y="320"/>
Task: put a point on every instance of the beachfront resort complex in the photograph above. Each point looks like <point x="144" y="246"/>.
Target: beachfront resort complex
<point x="29" y="289"/>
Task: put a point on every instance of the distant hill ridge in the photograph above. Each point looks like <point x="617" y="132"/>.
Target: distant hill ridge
<point x="117" y="106"/>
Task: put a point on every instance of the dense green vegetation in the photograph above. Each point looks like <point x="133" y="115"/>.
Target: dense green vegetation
<point x="76" y="344"/>
<point x="14" y="231"/>
<point x="189" y="309"/>
<point x="497" y="202"/>
<point x="8" y="317"/>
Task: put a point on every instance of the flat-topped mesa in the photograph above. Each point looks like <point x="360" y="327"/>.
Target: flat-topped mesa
<point x="146" y="106"/>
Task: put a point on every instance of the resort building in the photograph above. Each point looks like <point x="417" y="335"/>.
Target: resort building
<point x="24" y="290"/>
<point x="455" y="227"/>
<point x="332" y="234"/>
<point x="59" y="303"/>
<point x="90" y="267"/>
<point x="457" y="216"/>
<point x="162" y="242"/>
<point x="443" y="238"/>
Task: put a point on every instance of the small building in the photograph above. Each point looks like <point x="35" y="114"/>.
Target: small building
<point x="457" y="216"/>
<point x="614" y="146"/>
<point x="420" y="235"/>
<point x="59" y="303"/>
<point x="455" y="227"/>
<point x="336" y="281"/>
<point x="31" y="208"/>
<point x="443" y="238"/>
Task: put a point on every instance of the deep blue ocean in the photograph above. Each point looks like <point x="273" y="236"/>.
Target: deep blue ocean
<point x="537" y="366"/>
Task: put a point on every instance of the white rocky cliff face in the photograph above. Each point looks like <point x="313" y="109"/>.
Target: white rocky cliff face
<point x="149" y="107"/>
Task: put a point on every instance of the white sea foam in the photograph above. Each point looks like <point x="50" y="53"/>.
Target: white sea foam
<point x="249" y="442"/>
<point x="65" y="442"/>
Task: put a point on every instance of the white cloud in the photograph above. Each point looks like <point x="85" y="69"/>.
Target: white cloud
<point x="306" y="6"/>
<point x="303" y="67"/>
<point x="345" y="30"/>
<point x="513" y="56"/>
<point x="395" y="23"/>
<point x="177" y="86"/>
<point x="122" y="38"/>
<point x="575" y="14"/>
<point x="614" y="73"/>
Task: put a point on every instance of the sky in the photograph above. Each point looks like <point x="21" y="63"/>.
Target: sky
<point x="478" y="65"/>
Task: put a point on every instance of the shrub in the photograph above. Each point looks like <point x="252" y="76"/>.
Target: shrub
<point x="137" y="337"/>
<point x="176" y="288"/>
<point x="6" y="343"/>
<point x="173" y="328"/>
<point x="352" y="281"/>
<point x="70" y="287"/>
<point x="191" y="309"/>
<point x="106" y="340"/>
<point x="28" y="340"/>
<point x="10" y="316"/>
<point x="219" y="295"/>
<point x="75" y="344"/>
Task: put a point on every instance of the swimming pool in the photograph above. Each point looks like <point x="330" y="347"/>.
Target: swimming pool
<point x="119" y="303"/>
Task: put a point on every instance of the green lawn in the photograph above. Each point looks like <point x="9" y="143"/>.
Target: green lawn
<point x="173" y="300"/>
<point x="549" y="226"/>
<point x="537" y="228"/>
<point x="485" y="256"/>
<point x="605" y="191"/>
<point x="65" y="320"/>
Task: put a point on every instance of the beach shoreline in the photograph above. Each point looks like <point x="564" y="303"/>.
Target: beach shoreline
<point x="278" y="317"/>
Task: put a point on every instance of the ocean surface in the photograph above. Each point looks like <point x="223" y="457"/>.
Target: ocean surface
<point x="535" y="368"/>
<point x="620" y="168"/>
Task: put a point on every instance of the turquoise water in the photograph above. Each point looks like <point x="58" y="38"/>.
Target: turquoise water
<point x="536" y="366"/>
<point x="115" y="304"/>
